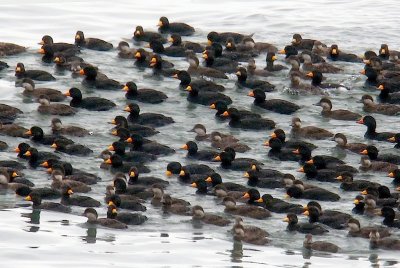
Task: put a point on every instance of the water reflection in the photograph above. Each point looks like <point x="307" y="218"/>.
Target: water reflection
<point x="237" y="251"/>
<point x="34" y="218"/>
<point x="91" y="235"/>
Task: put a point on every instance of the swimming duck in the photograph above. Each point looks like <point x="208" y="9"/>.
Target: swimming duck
<point x="315" y="193"/>
<point x="271" y="67"/>
<point x="59" y="182"/>
<point x="317" y="78"/>
<point x="57" y="47"/>
<point x="206" y="97"/>
<point x="266" y="182"/>
<point x="355" y="229"/>
<point x="222" y="37"/>
<point x="319" y="245"/>
<point x="310" y="132"/>
<point x="215" y="179"/>
<point x="280" y="206"/>
<point x="200" y="84"/>
<point x="340" y="114"/>
<point x="30" y="91"/>
<point x="307" y="228"/>
<point x="82" y="201"/>
<point x="176" y="40"/>
<point x="341" y="141"/>
<point x="174" y="208"/>
<point x="322" y="67"/>
<point x="385" y="95"/>
<point x="93" y="218"/>
<point x="71" y="149"/>
<point x="58" y="128"/>
<point x="176" y="167"/>
<point x="275" y="105"/>
<point x="122" y="123"/>
<point x="376" y="166"/>
<point x="204" y="155"/>
<point x="49" y="54"/>
<point x="333" y="221"/>
<point x="36" y="199"/>
<point x="222" y="107"/>
<point x="277" y="153"/>
<point x="125" y="217"/>
<point x="98" y="80"/>
<point x="336" y="55"/>
<point x="246" y="123"/>
<point x="222" y="64"/>
<point x="8" y="113"/>
<point x="172" y="51"/>
<point x="249" y="233"/>
<point x="395" y="174"/>
<point x="201" y="186"/>
<point x="3" y="65"/>
<point x="38" y="136"/>
<point x="149" y="119"/>
<point x="46" y="107"/>
<point x="244" y="210"/>
<point x="152" y="147"/>
<point x="373" y="154"/>
<point x="252" y="84"/>
<point x="386" y="54"/>
<point x="389" y="217"/>
<point x="125" y="51"/>
<point x="161" y="67"/>
<point x="383" y="243"/>
<point x="147" y="36"/>
<point x="228" y="161"/>
<point x="348" y="184"/>
<point x="38" y="75"/>
<point x="380" y="108"/>
<point x="301" y="43"/>
<point x="164" y="26"/>
<point x="118" y="165"/>
<point x="195" y="69"/>
<point x="293" y="144"/>
<point x="134" y="156"/>
<point x="91" y="43"/>
<point x="253" y="71"/>
<point x="146" y="181"/>
<point x="8" y="49"/>
<point x="199" y="214"/>
<point x="371" y="133"/>
<point x="89" y="103"/>
<point x="146" y="95"/>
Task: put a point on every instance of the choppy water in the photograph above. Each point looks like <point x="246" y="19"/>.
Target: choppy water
<point x="49" y="239"/>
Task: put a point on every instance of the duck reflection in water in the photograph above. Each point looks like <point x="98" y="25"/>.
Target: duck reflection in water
<point x="34" y="218"/>
<point x="91" y="235"/>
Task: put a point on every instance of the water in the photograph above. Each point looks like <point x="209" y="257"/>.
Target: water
<point x="49" y="239"/>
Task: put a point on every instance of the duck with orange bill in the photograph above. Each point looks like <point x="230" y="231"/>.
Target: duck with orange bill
<point x="146" y="95"/>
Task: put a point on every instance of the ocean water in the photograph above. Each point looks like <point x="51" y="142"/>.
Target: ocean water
<point x="49" y="239"/>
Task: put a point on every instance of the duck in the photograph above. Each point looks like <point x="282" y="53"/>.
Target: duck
<point x="275" y="105"/>
<point x="37" y="75"/>
<point x="38" y="136"/>
<point x="60" y="109"/>
<point x="337" y="55"/>
<point x="146" y="181"/>
<point x="8" y="113"/>
<point x="333" y="221"/>
<point x="169" y="207"/>
<point x="267" y="182"/>
<point x="98" y="80"/>
<point x="278" y="153"/>
<point x="61" y="145"/>
<point x="145" y="95"/>
<point x="125" y="217"/>
<point x="246" y="123"/>
<point x="341" y="141"/>
<point x="89" y="103"/>
<point x="9" y="49"/>
<point x="201" y="186"/>
<point x="319" y="245"/>
<point x="253" y="71"/>
<point x="49" y="54"/>
<point x="59" y="181"/>
<point x="371" y="133"/>
<point x="146" y="36"/>
<point x="386" y="54"/>
<point x="194" y="153"/>
<point x="216" y="179"/>
<point x="176" y="168"/>
<point x="309" y="132"/>
<point x="376" y="166"/>
<point x="158" y="193"/>
<point x="133" y="156"/>
<point x="186" y="177"/>
<point x="307" y="228"/>
<point x="249" y="233"/>
<point x="292" y="144"/>
<point x="288" y="51"/>
<point x="299" y="88"/>
<point x="164" y="26"/>
<point x="252" y="84"/>
<point x="389" y="217"/>
<point x="316" y="81"/>
<point x="118" y="165"/>
<point x="31" y="91"/>
<point x="37" y="203"/>
<point x="355" y="229"/>
<point x="322" y="67"/>
<point x="3" y="65"/>
<point x="222" y="107"/>
<point x="245" y="210"/>
<point x="200" y="84"/>
<point x="395" y="174"/>
<point x="340" y="114"/>
<point x="373" y="154"/>
<point x="228" y="161"/>
<point x="173" y="51"/>
<point x="195" y="69"/>
<point x="222" y="37"/>
<point x="379" y="108"/>
<point x="348" y="184"/>
<point x="92" y="218"/>
<point x="315" y="193"/>
<point x="122" y="123"/>
<point x="76" y="131"/>
<point x="387" y="243"/>
<point x="198" y="214"/>
<point x="152" y="147"/>
<point x="125" y="51"/>
<point x="79" y="200"/>
<point x="33" y="157"/>
<point x="57" y="47"/>
<point x="280" y="206"/>
<point x="301" y="43"/>
<point x="221" y="64"/>
<point x="142" y="58"/>
<point x="385" y="96"/>
<point x="221" y="142"/>
<point x="91" y="43"/>
<point x="7" y="180"/>
<point x="176" y="40"/>
<point x="132" y="196"/>
<point x="148" y="119"/>
<point x="206" y="97"/>
<point x="161" y="67"/>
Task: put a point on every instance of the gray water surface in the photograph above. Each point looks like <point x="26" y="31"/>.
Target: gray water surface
<point x="52" y="239"/>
